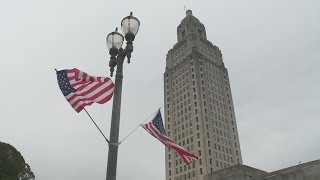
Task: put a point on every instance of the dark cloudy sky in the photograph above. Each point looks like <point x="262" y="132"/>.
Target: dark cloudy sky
<point x="270" y="47"/>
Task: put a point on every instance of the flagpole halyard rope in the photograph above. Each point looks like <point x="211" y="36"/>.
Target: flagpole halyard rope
<point x="96" y="126"/>
<point x="138" y="126"/>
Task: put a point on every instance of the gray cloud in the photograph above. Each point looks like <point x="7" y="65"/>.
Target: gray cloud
<point x="269" y="47"/>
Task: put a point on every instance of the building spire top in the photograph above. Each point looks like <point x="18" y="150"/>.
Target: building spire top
<point x="189" y="12"/>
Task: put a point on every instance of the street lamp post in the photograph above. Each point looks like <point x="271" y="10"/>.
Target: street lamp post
<point x="130" y="26"/>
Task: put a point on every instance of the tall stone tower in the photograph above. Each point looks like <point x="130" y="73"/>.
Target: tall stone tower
<point x="199" y="112"/>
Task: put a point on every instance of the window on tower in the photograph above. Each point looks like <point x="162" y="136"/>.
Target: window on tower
<point x="183" y="33"/>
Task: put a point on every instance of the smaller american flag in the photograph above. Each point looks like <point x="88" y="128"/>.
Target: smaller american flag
<point x="81" y="89"/>
<point x="156" y="129"/>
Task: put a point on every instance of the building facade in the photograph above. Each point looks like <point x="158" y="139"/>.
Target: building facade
<point x="199" y="112"/>
<point x="305" y="171"/>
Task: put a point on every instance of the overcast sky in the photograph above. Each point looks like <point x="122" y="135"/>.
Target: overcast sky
<point x="270" y="48"/>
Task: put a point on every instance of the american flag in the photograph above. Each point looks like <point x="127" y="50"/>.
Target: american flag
<point x="81" y="89"/>
<point x="156" y="129"/>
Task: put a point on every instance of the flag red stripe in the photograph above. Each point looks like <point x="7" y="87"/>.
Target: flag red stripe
<point x="185" y="155"/>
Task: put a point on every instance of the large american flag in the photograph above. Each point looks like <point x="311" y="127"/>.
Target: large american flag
<point x="81" y="89"/>
<point x="156" y="129"/>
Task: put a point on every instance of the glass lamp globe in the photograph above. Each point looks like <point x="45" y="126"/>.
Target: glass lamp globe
<point x="130" y="27"/>
<point x="114" y="41"/>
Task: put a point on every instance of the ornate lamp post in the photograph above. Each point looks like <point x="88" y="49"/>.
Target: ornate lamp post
<point x="130" y="26"/>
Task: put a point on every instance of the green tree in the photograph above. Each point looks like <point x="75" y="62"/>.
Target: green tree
<point x="12" y="164"/>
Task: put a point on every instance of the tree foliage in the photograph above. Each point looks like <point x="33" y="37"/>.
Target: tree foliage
<point x="13" y="165"/>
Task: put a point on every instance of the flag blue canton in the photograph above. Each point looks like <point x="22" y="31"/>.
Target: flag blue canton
<point x="64" y="83"/>
<point x="158" y="123"/>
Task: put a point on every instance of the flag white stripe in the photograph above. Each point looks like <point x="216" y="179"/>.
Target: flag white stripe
<point x="70" y="74"/>
<point x="80" y="75"/>
<point x="73" y="81"/>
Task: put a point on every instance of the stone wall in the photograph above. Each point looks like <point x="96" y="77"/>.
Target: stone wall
<point x="237" y="172"/>
<point x="305" y="171"/>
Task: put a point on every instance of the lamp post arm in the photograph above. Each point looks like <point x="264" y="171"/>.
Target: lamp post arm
<point x="128" y="50"/>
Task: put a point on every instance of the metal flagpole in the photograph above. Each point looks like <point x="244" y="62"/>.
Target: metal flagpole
<point x="97" y="126"/>
<point x="138" y="126"/>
